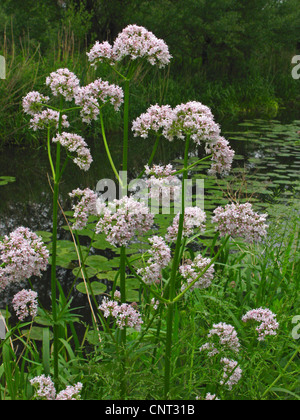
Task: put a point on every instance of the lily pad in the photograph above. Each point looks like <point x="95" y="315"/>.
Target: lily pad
<point x="96" y="287"/>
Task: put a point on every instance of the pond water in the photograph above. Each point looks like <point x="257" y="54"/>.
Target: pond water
<point x="266" y="168"/>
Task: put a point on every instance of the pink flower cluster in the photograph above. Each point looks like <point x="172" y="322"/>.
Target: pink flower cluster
<point x="33" y="102"/>
<point x="25" y="304"/>
<point x="45" y="390"/>
<point x="100" y="52"/>
<point x="95" y="95"/>
<point x="124" y="314"/>
<point x="22" y="255"/>
<point x="154" y="303"/>
<point x="194" y="218"/>
<point x="63" y="82"/>
<point x="239" y="220"/>
<point x="211" y="397"/>
<point x="76" y="144"/>
<point x="151" y="273"/>
<point x="190" y="270"/>
<point x="222" y="157"/>
<point x="71" y="393"/>
<point x="160" y="252"/>
<point x="227" y="339"/>
<point x="159" y="171"/>
<point x="162" y="183"/>
<point x="232" y="373"/>
<point x="195" y="120"/>
<point x="156" y="119"/>
<point x="190" y="119"/>
<point x="86" y="207"/>
<point x="46" y="118"/>
<point x="160" y="256"/>
<point x="122" y="219"/>
<point x="266" y="318"/>
<point x="134" y="41"/>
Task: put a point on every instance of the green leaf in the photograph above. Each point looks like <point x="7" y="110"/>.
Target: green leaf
<point x="4" y="180"/>
<point x="36" y="333"/>
<point x="95" y="261"/>
<point x="90" y="272"/>
<point x="108" y="275"/>
<point x="96" y="287"/>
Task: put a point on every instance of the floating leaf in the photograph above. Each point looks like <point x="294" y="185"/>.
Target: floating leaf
<point x="90" y="272"/>
<point x="96" y="287"/>
<point x="108" y="275"/>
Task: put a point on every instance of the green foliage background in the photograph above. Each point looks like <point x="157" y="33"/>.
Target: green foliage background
<point x="234" y="56"/>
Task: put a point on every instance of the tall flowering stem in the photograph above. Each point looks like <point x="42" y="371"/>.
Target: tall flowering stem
<point x="107" y="148"/>
<point x="54" y="248"/>
<point x="123" y="331"/>
<point x="172" y="285"/>
<point x="126" y="125"/>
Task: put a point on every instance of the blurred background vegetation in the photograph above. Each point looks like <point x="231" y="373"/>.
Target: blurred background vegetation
<point x="233" y="55"/>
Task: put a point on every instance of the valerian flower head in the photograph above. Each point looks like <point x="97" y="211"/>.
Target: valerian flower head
<point x="48" y="118"/>
<point x="157" y="119"/>
<point x="122" y="219"/>
<point x="22" y="255"/>
<point x="96" y="94"/>
<point x="71" y="393"/>
<point x="194" y="218"/>
<point x="232" y="373"/>
<point x="76" y="144"/>
<point x="160" y="256"/>
<point x="190" y="270"/>
<point x="45" y="390"/>
<point x="208" y="397"/>
<point x="222" y="157"/>
<point x="33" y="102"/>
<point x="268" y="324"/>
<point x="25" y="304"/>
<point x="195" y="120"/>
<point x="124" y="314"/>
<point x="100" y="52"/>
<point x="63" y="82"/>
<point x="222" y="337"/>
<point x="134" y="42"/>
<point x="239" y="220"/>
<point x="162" y="183"/>
<point x="87" y="206"/>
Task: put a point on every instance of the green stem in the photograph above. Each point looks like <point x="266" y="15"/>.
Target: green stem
<point x="54" y="253"/>
<point x="152" y="155"/>
<point x="90" y="290"/>
<point x="192" y="165"/>
<point x="107" y="148"/>
<point x="118" y="73"/>
<point x="158" y="296"/>
<point x="49" y="153"/>
<point x="178" y="297"/>
<point x="123" y="331"/>
<point x="71" y="109"/>
<point x="126" y="125"/>
<point x="170" y="313"/>
<point x="282" y="373"/>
